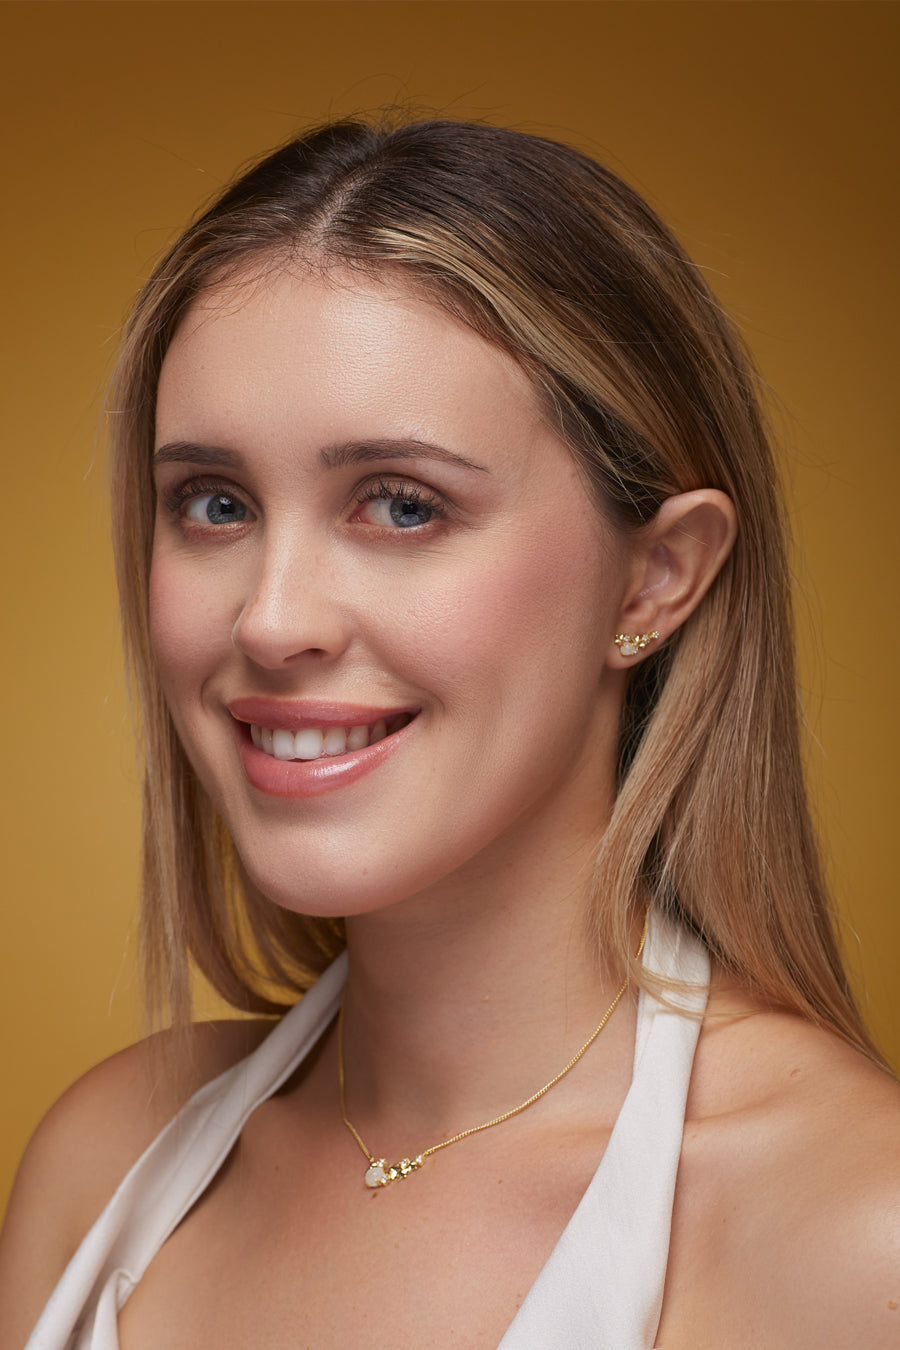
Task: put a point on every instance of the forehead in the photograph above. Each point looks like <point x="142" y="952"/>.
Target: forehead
<point x="335" y="355"/>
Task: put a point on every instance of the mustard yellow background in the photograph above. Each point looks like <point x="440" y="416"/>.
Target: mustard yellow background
<point x="764" y="132"/>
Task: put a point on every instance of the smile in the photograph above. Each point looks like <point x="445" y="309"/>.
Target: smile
<point x="317" y="742"/>
<point x="306" y="747"/>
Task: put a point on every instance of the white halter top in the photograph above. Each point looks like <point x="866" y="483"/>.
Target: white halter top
<point x="602" y="1286"/>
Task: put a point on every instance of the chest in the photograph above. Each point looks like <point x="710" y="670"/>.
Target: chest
<point x="285" y="1253"/>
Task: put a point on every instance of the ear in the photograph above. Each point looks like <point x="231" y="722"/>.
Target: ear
<point x="676" y="559"/>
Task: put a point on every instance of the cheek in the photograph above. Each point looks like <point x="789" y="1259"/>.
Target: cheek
<point x="187" y="622"/>
<point x="523" y="616"/>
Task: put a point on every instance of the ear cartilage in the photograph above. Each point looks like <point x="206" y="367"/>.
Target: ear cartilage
<point x="630" y="646"/>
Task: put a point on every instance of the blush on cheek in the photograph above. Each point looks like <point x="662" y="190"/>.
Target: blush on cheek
<point x="525" y="600"/>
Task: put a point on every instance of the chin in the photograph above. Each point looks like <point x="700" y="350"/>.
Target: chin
<point x="327" y="897"/>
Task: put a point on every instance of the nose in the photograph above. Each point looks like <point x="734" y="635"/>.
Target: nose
<point x="291" y="610"/>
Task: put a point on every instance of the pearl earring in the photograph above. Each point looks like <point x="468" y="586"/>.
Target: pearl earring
<point x="630" y="646"/>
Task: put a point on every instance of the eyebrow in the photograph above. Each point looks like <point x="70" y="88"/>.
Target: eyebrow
<point x="334" y="457"/>
<point x="364" y="452"/>
<point x="185" y="452"/>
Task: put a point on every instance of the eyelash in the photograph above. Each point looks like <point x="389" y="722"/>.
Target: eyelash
<point x="386" y="489"/>
<point x="381" y="489"/>
<point x="177" y="497"/>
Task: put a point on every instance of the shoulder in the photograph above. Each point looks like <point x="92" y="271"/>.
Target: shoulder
<point x="790" y="1186"/>
<point x="85" y="1145"/>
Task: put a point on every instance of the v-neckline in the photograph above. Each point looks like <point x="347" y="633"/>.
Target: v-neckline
<point x="601" y="1286"/>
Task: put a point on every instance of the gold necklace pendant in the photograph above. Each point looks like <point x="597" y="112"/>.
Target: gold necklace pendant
<point x="379" y="1174"/>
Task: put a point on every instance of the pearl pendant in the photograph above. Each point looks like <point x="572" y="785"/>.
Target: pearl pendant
<point x="375" y="1175"/>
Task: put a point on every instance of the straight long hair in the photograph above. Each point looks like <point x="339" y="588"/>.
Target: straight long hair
<point x="561" y="264"/>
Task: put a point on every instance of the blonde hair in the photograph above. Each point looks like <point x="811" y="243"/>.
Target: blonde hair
<point x="554" y="258"/>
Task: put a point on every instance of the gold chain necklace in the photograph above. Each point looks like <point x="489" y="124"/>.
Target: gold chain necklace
<point x="378" y="1173"/>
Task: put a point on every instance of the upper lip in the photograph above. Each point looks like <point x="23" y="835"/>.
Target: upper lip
<point x="294" y="715"/>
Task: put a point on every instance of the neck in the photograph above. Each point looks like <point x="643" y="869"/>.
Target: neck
<point x="461" y="1003"/>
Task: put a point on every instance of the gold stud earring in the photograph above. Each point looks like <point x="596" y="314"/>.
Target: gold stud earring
<point x="630" y="646"/>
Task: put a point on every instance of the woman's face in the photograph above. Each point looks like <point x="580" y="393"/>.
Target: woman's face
<point x="382" y="601"/>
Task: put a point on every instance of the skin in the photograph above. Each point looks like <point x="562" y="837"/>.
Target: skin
<point x="462" y="863"/>
<point x="314" y="598"/>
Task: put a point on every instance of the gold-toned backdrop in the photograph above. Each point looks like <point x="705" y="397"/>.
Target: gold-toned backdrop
<point x="763" y="132"/>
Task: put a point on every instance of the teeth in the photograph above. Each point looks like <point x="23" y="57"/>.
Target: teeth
<point x="283" y="745"/>
<point x="308" y="744"/>
<point x="378" y="732"/>
<point x="311" y="743"/>
<point x="357" y="738"/>
<point x="334" y="742"/>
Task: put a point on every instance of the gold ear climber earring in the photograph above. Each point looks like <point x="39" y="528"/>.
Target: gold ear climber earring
<point x="630" y="646"/>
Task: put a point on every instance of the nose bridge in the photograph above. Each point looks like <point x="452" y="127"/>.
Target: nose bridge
<point x="291" y="604"/>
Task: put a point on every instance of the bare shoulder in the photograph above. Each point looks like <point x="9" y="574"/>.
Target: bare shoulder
<point x="85" y="1145"/>
<point x="787" y="1224"/>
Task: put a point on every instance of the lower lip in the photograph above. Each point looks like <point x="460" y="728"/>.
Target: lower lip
<point x="311" y="777"/>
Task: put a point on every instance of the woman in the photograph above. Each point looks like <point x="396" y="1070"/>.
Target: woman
<point x="454" y="584"/>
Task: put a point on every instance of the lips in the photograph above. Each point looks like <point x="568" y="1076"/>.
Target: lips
<point x="303" y="749"/>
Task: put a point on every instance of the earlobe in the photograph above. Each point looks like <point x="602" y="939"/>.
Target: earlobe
<point x="678" y="557"/>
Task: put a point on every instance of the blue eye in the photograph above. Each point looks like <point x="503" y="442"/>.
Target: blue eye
<point x="406" y="512"/>
<point x="216" y="508"/>
<point x="398" y="506"/>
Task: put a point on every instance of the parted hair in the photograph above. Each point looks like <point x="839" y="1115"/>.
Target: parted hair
<point x="559" y="262"/>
